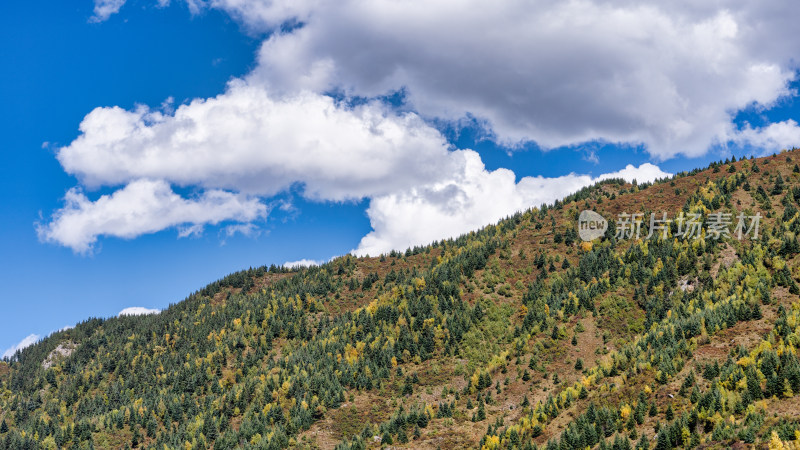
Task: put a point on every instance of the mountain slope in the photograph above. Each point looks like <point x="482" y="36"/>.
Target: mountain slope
<point x="515" y="336"/>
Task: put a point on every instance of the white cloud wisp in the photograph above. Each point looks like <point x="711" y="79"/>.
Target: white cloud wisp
<point x="142" y="207"/>
<point x="472" y="199"/>
<point x="669" y="76"/>
<point x="26" y="342"/>
<point x="137" y="311"/>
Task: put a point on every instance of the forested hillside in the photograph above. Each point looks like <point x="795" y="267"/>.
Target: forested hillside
<point x="517" y="336"/>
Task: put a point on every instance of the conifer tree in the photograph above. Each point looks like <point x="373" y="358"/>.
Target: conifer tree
<point x="753" y="385"/>
<point x="481" y="415"/>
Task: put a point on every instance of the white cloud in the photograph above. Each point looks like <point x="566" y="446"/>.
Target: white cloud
<point x="472" y="199"/>
<point x="245" y="229"/>
<point x="26" y="342"/>
<point x="246" y="141"/>
<point x="301" y="263"/>
<point x="142" y="207"/>
<point x="771" y="138"/>
<point x="137" y="311"/>
<point x="250" y="141"/>
<point x="103" y="9"/>
<point x="420" y="189"/>
<point x="645" y="173"/>
<point x="668" y="75"/>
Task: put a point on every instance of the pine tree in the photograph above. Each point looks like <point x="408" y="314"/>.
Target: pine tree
<point x="211" y="431"/>
<point x="4" y="427"/>
<point x="401" y="436"/>
<point x="136" y="437"/>
<point x="644" y="443"/>
<point x="408" y="388"/>
<point x="774" y="385"/>
<point x="583" y="393"/>
<point x="481" y="413"/>
<point x="753" y="385"/>
<point x="778" y="188"/>
<point x="663" y="441"/>
<point x="631" y="425"/>
<point x="152" y="427"/>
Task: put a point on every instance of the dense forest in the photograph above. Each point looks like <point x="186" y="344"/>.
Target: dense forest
<point x="516" y="336"/>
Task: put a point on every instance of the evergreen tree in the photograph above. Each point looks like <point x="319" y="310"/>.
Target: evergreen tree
<point x="644" y="443"/>
<point x="136" y="437"/>
<point x="753" y="385"/>
<point x="481" y="415"/>
<point x="408" y="388"/>
<point x="401" y="436"/>
<point x="583" y="393"/>
<point x="663" y="442"/>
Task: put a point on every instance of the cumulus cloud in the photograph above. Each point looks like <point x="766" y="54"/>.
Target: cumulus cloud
<point x="143" y="206"/>
<point x="472" y="199"/>
<point x="301" y="263"/>
<point x="260" y="143"/>
<point x="103" y="9"/>
<point x="668" y="75"/>
<point x="137" y="311"/>
<point x="254" y="141"/>
<point x="645" y="173"/>
<point x="239" y="147"/>
<point x="250" y="141"/>
<point x="26" y="342"/>
<point x="771" y="138"/>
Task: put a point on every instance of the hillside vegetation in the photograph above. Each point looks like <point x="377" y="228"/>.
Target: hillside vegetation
<point x="517" y="336"/>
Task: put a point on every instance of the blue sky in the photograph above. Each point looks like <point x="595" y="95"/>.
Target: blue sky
<point x="453" y="126"/>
